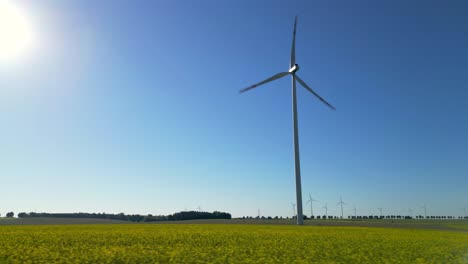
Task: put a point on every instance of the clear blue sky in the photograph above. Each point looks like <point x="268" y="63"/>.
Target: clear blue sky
<point x="133" y="106"/>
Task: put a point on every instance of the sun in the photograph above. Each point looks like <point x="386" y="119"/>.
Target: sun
<point x="15" y="31"/>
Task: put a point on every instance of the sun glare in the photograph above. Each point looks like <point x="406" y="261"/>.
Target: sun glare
<point x="15" y="32"/>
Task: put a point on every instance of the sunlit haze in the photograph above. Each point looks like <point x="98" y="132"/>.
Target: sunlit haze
<point x="15" y="31"/>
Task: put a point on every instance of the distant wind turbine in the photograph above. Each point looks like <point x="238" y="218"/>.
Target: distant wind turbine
<point x="294" y="208"/>
<point x="380" y="209"/>
<point x="293" y="68"/>
<point x="341" y="203"/>
<point x="410" y="212"/>
<point x="311" y="201"/>
<point x="199" y="209"/>
<point x="425" y="210"/>
<point x="354" y="209"/>
<point x="326" y="210"/>
<point x="464" y="211"/>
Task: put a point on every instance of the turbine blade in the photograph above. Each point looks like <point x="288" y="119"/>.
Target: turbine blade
<point x="293" y="48"/>
<point x="313" y="92"/>
<point x="272" y="78"/>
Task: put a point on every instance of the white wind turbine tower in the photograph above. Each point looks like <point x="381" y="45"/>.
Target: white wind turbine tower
<point x="311" y="201"/>
<point x="326" y="210"/>
<point x="293" y="68"/>
<point x="294" y="209"/>
<point x="410" y="212"/>
<point x="354" y="209"/>
<point x="341" y="203"/>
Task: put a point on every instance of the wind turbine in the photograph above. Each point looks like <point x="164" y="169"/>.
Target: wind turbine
<point x="354" y="209"/>
<point x="294" y="209"/>
<point x="425" y="210"/>
<point x="341" y="204"/>
<point x="199" y="209"/>
<point x="410" y="211"/>
<point x="380" y="209"/>
<point x="464" y="211"/>
<point x="311" y="201"/>
<point x="326" y="210"/>
<point x="293" y="68"/>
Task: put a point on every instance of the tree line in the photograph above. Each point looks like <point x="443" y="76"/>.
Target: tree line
<point x="186" y="215"/>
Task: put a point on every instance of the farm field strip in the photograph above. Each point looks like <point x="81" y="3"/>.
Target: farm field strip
<point x="218" y="243"/>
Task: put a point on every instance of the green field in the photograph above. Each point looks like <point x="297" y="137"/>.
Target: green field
<point x="223" y="243"/>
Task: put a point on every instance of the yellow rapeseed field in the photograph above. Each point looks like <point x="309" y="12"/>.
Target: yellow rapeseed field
<point x="217" y="243"/>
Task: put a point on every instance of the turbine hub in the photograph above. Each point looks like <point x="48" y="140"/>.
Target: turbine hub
<point x="294" y="68"/>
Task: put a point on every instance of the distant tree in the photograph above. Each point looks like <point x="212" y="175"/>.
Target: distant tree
<point x="22" y="214"/>
<point x="10" y="214"/>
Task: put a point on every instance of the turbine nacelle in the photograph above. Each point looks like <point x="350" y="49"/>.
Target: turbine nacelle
<point x="294" y="68"/>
